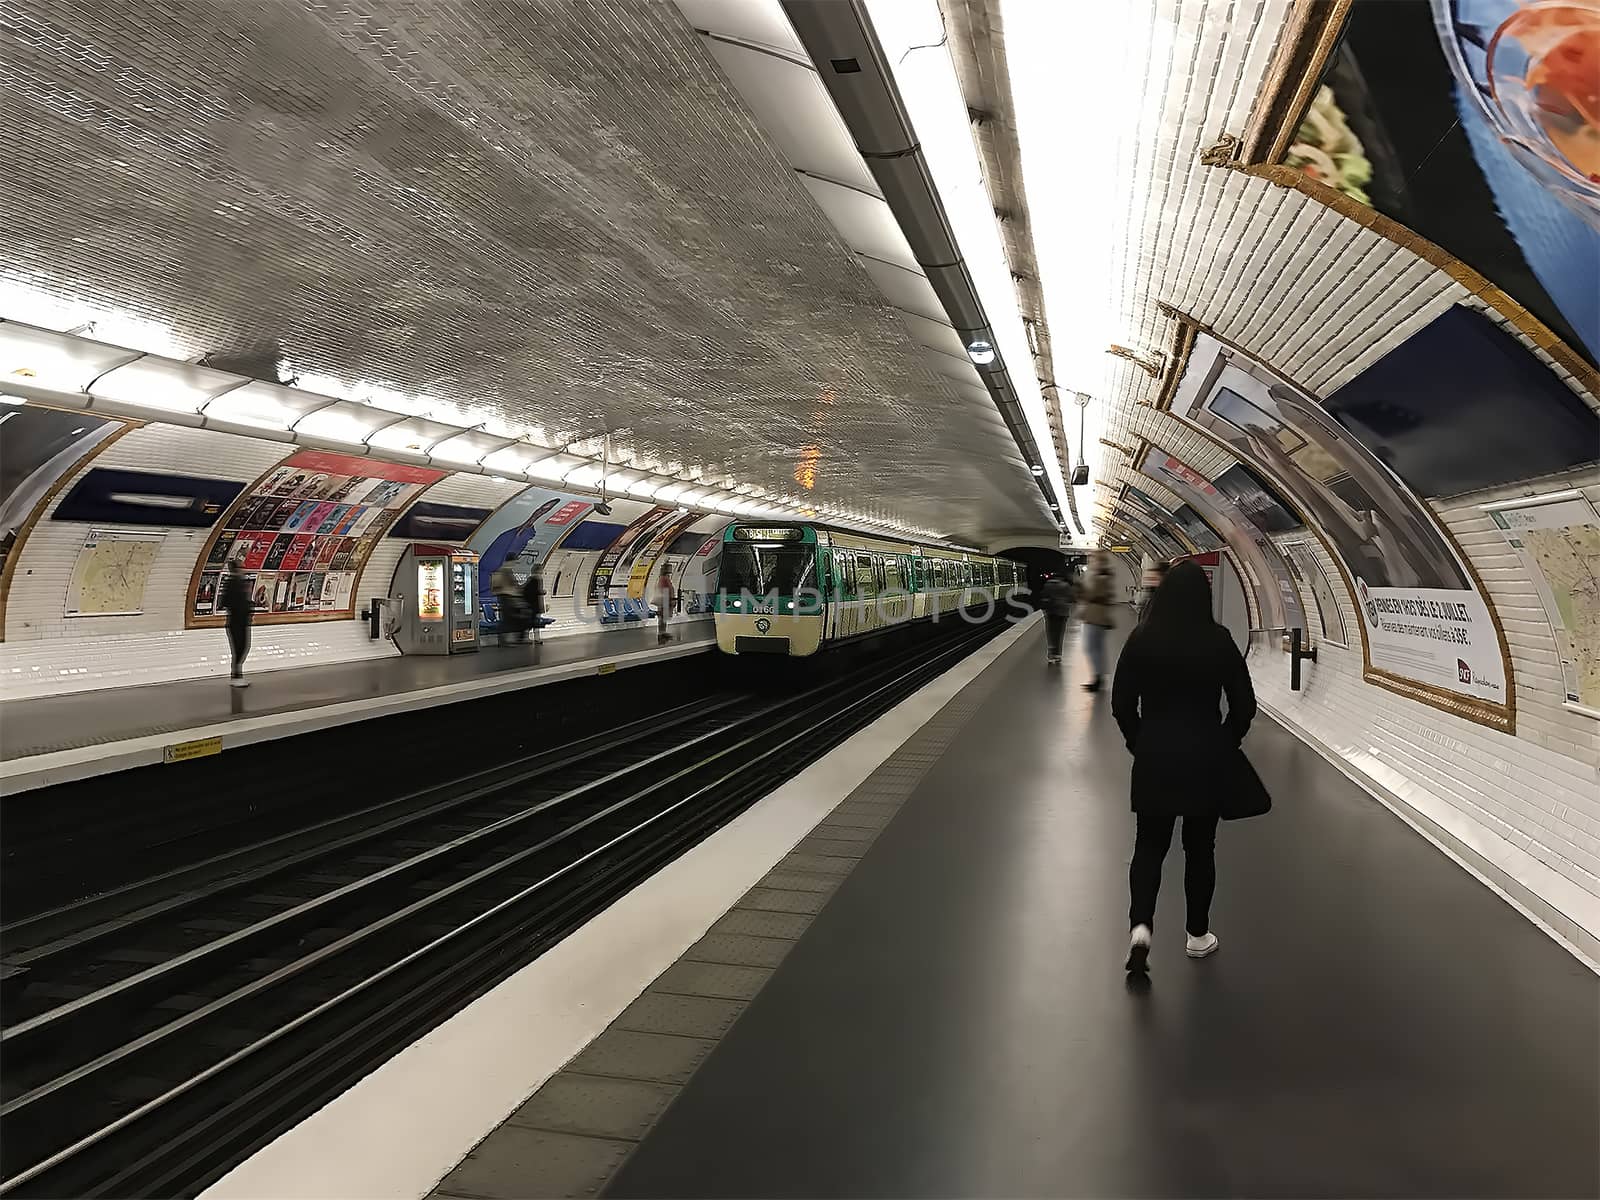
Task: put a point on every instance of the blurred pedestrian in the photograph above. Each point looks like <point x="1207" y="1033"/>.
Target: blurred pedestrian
<point x="533" y="601"/>
<point x="1099" y="593"/>
<point x="1187" y="763"/>
<point x="508" y="601"/>
<point x="664" y="595"/>
<point x="237" y="602"/>
<point x="1055" y="598"/>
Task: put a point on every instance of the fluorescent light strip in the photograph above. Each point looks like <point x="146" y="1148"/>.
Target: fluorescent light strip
<point x="63" y="369"/>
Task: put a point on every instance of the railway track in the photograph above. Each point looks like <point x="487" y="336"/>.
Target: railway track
<point x="154" y="1037"/>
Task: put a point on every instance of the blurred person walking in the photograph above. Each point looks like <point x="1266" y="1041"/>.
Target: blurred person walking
<point x="1099" y="593"/>
<point x="533" y="600"/>
<point x="663" y="598"/>
<point x="1055" y="598"/>
<point x="1187" y="762"/>
<point x="237" y="603"/>
<point x="508" y="599"/>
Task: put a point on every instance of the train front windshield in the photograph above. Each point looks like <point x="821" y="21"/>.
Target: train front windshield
<point x="767" y="570"/>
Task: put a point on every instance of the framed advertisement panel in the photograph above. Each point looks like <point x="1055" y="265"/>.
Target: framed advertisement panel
<point x="304" y="532"/>
<point x="1303" y="559"/>
<point x="1262" y="563"/>
<point x="1429" y="632"/>
<point x="1385" y="111"/>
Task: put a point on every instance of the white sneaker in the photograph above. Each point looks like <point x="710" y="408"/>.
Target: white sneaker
<point x="237" y="681"/>
<point x="1199" y="947"/>
<point x="1138" y="951"/>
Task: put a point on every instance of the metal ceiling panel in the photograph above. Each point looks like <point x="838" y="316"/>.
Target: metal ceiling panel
<point x="906" y="289"/>
<point x="864" y="220"/>
<point x="786" y="98"/>
<point x="555" y="216"/>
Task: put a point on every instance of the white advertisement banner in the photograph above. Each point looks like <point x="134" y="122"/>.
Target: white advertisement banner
<point x="1558" y="539"/>
<point x="1439" y="636"/>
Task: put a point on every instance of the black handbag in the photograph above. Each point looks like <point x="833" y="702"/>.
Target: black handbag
<point x="1243" y="793"/>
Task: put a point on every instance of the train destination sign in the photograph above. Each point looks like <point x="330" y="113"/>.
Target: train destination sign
<point x="746" y="533"/>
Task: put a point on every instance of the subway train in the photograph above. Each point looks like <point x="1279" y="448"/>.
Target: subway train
<point x="796" y="589"/>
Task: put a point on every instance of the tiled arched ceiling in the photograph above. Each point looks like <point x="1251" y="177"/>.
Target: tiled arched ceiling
<point x="554" y="215"/>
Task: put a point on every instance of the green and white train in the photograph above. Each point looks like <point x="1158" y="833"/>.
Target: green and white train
<point x="797" y="589"/>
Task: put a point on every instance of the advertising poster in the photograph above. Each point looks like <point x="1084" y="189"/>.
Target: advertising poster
<point x="109" y="577"/>
<point x="430" y="589"/>
<point x="1195" y="529"/>
<point x="1428" y="407"/>
<point x="1558" y="539"/>
<point x="1302" y="557"/>
<point x="1426" y="622"/>
<point x="1162" y="525"/>
<point x="600" y="581"/>
<point x="639" y="573"/>
<point x="522" y="531"/>
<point x="1264" y="564"/>
<point x="1502" y="176"/>
<point x="305" y="530"/>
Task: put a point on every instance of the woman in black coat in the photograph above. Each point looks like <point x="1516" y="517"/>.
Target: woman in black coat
<point x="1175" y="668"/>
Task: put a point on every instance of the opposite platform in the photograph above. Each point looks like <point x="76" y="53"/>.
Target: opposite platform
<point x="55" y="739"/>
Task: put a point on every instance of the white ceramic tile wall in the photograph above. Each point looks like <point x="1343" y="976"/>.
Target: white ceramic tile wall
<point x="1528" y="804"/>
<point x="47" y="653"/>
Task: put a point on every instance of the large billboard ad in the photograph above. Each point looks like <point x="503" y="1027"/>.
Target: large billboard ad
<point x="304" y="531"/>
<point x="1426" y="623"/>
<point x="1262" y="563"/>
<point x="1429" y="408"/>
<point x="522" y="531"/>
<point x="1474" y="123"/>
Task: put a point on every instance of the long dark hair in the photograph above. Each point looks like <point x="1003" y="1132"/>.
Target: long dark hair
<point x="1180" y="609"/>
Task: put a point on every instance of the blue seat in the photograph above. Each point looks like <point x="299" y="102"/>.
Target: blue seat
<point x="609" y="614"/>
<point x="635" y="610"/>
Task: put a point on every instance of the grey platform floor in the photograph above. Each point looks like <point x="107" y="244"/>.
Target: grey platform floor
<point x="51" y="723"/>
<point x="954" y="1021"/>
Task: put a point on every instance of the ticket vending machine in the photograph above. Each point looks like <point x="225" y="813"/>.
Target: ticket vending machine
<point x="434" y="596"/>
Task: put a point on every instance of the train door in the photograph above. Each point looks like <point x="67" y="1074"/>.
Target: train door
<point x="895" y="600"/>
<point x="865" y="588"/>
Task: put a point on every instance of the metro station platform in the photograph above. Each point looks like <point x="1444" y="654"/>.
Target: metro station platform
<point x="923" y="995"/>
<point x="54" y="739"/>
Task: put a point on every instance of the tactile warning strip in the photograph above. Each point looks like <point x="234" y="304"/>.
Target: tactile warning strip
<point x="570" y="1137"/>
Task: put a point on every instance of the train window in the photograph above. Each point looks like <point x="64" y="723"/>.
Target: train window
<point x="891" y="575"/>
<point x="763" y="569"/>
<point x="866" y="576"/>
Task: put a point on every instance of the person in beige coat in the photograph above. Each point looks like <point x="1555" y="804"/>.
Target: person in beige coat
<point x="1099" y="594"/>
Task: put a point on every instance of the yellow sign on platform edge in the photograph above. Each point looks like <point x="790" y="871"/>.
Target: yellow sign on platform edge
<point x="184" y="751"/>
<point x="605" y="668"/>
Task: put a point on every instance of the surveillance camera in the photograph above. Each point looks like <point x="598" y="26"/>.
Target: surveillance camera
<point x="603" y="509"/>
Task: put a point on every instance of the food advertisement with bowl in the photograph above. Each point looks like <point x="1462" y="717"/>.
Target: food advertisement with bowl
<point x="1475" y="123"/>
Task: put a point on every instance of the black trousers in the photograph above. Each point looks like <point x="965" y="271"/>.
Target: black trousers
<point x="1152" y="835"/>
<point x="239" y="645"/>
<point x="1055" y="628"/>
